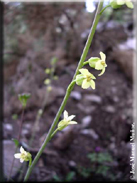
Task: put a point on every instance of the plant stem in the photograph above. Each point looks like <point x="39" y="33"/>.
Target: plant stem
<point x="19" y="134"/>
<point x="104" y="9"/>
<point x="53" y="133"/>
<point x="38" y="117"/>
<point x="85" y="63"/>
<point x="69" y="89"/>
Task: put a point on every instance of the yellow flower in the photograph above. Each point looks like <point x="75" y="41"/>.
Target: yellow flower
<point x="85" y="79"/>
<point x="119" y="3"/>
<point x="47" y="71"/>
<point x="66" y="121"/>
<point x="49" y="88"/>
<point x="23" y="155"/>
<point x="99" y="64"/>
<point x="47" y="81"/>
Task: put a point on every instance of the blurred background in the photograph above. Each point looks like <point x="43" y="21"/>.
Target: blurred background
<point x="44" y="41"/>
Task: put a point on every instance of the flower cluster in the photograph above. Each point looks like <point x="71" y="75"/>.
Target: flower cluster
<point x="86" y="79"/>
<point x="118" y="3"/>
<point x="50" y="72"/>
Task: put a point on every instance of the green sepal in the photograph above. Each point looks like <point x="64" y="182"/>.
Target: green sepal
<point x="30" y="161"/>
<point x="79" y="79"/>
<point x="92" y="61"/>
<point x="114" y="5"/>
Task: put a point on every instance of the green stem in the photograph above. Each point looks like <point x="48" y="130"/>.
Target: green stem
<point x="54" y="133"/>
<point x="19" y="135"/>
<point x="30" y="161"/>
<point x="104" y="9"/>
<point x="69" y="89"/>
<point x="85" y="63"/>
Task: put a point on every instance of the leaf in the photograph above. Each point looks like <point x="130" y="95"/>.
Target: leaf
<point x="14" y="116"/>
<point x="70" y="176"/>
<point x="23" y="98"/>
<point x="16" y="142"/>
<point x="56" y="178"/>
<point x="92" y="157"/>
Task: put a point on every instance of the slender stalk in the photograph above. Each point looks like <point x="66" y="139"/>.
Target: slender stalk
<point x="19" y="134"/>
<point x="21" y="123"/>
<point x="69" y="89"/>
<point x="105" y="8"/>
<point x="38" y="117"/>
<point x="53" y="133"/>
<point x="85" y="63"/>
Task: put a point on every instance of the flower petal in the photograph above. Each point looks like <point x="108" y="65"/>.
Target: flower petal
<point x="114" y="4"/>
<point x="92" y="84"/>
<point x="98" y="65"/>
<point x="102" y="72"/>
<point x="93" y="59"/>
<point x="65" y="114"/>
<point x="22" y="150"/>
<point x="60" y="123"/>
<point x="84" y="71"/>
<point x="17" y="155"/>
<point x="120" y="2"/>
<point x="129" y="4"/>
<point x="85" y="84"/>
<point x="21" y="160"/>
<point x="71" y="117"/>
<point x="103" y="56"/>
<point x="92" y="76"/>
<point x="72" y="123"/>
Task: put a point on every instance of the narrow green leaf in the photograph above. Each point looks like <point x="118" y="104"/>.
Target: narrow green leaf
<point x="16" y="142"/>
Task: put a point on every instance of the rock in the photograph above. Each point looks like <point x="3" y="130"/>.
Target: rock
<point x="8" y="127"/>
<point x="64" y="140"/>
<point x="86" y="121"/>
<point x="93" y="98"/>
<point x="114" y="89"/>
<point x="125" y="60"/>
<point x="129" y="44"/>
<point x="56" y="92"/>
<point x="90" y="132"/>
<point x="86" y="109"/>
<point x="76" y="95"/>
<point x="72" y="164"/>
<point x="26" y="133"/>
<point x="113" y="82"/>
<point x="28" y="126"/>
<point x="109" y="109"/>
<point x="8" y="156"/>
<point x="8" y="130"/>
<point x="113" y="139"/>
<point x="113" y="148"/>
<point x="115" y="99"/>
